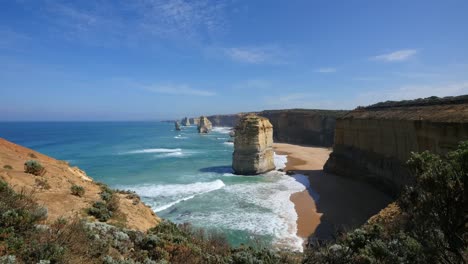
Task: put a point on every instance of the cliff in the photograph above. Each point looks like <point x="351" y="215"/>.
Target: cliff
<point x="295" y="126"/>
<point x="253" y="146"/>
<point x="225" y="120"/>
<point x="53" y="188"/>
<point x="374" y="143"/>
<point x="204" y="125"/>
<point x="304" y="127"/>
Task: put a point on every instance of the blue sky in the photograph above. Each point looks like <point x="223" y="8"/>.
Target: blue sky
<point x="155" y="59"/>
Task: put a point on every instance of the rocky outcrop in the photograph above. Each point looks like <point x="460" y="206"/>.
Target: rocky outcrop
<point x="204" y="125"/>
<point x="374" y="143"/>
<point x="177" y="125"/>
<point x="253" y="146"/>
<point x="186" y="122"/>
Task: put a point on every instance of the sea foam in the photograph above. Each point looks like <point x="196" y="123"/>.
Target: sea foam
<point x="152" y="150"/>
<point x="164" y="196"/>
<point x="222" y="130"/>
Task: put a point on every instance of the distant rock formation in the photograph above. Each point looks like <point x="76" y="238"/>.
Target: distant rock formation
<point x="186" y="122"/>
<point x="195" y="121"/>
<point x="253" y="146"/>
<point x="204" y="125"/>
<point x="177" y="125"/>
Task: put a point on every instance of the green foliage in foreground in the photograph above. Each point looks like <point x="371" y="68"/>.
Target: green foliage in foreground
<point x="77" y="190"/>
<point x="432" y="226"/>
<point x="24" y="239"/>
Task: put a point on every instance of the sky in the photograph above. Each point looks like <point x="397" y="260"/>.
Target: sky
<point x="164" y="59"/>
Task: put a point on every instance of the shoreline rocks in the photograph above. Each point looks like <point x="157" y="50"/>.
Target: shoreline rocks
<point x="253" y="146"/>
<point x="177" y="125"/>
<point x="204" y="125"/>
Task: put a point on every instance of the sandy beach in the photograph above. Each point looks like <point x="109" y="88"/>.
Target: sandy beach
<point x="331" y="202"/>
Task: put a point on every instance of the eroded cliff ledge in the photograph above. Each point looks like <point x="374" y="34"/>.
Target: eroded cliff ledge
<point x="374" y="143"/>
<point x="253" y="146"/>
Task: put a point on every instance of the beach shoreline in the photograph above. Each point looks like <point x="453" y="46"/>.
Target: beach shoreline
<point x="329" y="202"/>
<point x="302" y="158"/>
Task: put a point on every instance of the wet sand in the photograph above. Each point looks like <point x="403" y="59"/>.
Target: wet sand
<point x="331" y="202"/>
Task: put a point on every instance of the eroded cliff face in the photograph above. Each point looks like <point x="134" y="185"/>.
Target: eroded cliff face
<point x="195" y="120"/>
<point x="225" y="120"/>
<point x="253" y="146"/>
<point x="307" y="127"/>
<point x="204" y="125"/>
<point x="374" y="144"/>
<point x="296" y="126"/>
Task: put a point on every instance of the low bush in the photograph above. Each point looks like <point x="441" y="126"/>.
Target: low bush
<point x="100" y="211"/>
<point x="34" y="167"/>
<point x="77" y="190"/>
<point x="42" y="183"/>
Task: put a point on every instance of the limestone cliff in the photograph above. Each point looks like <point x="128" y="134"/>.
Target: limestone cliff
<point x="225" y="120"/>
<point x="186" y="121"/>
<point x="296" y="126"/>
<point x="204" y="125"/>
<point x="303" y="126"/>
<point x="374" y="143"/>
<point x="253" y="146"/>
<point x="53" y="188"/>
<point x="177" y="125"/>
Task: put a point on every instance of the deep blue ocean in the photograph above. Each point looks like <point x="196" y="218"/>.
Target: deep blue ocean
<point x="182" y="175"/>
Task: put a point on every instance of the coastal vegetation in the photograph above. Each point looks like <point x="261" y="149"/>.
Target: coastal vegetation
<point x="428" y="223"/>
<point x="77" y="190"/>
<point x="34" y="167"/>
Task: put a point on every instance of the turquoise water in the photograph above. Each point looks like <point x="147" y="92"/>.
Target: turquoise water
<point x="182" y="175"/>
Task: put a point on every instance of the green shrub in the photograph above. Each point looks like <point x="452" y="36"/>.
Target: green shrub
<point x="77" y="190"/>
<point x="42" y="183"/>
<point x="100" y="211"/>
<point x="7" y="167"/>
<point x="34" y="167"/>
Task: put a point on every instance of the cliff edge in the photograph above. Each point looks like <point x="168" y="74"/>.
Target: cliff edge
<point x="53" y="188"/>
<point x="373" y="143"/>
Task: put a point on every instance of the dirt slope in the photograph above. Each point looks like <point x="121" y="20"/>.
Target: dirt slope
<point x="58" y="197"/>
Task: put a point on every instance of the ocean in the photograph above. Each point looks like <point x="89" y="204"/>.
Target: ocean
<point x="182" y="175"/>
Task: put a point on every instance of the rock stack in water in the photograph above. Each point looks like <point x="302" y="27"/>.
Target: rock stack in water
<point x="204" y="125"/>
<point x="253" y="146"/>
<point x="186" y="122"/>
<point x="177" y="125"/>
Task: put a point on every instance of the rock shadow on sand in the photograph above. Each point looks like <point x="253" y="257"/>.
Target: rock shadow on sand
<point x="343" y="203"/>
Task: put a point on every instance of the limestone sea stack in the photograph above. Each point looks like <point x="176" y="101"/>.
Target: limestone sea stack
<point x="253" y="146"/>
<point x="204" y="125"/>
<point x="186" y="122"/>
<point x="177" y="125"/>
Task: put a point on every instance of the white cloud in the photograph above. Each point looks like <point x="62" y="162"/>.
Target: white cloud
<point x="253" y="84"/>
<point x="399" y="55"/>
<point x="326" y="70"/>
<point x="178" y="89"/>
<point x="256" y="55"/>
